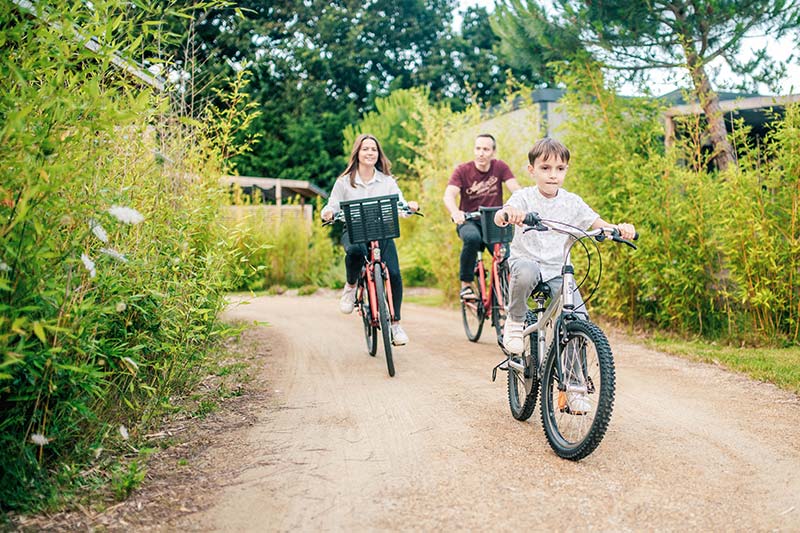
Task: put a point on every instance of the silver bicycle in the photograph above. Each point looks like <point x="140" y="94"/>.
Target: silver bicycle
<point x="576" y="374"/>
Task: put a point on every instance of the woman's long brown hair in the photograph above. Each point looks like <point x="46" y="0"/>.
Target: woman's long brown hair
<point x="383" y="164"/>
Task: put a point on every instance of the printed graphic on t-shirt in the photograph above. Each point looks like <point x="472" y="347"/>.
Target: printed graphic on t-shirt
<point x="482" y="188"/>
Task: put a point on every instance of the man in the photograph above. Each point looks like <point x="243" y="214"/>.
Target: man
<point x="480" y="183"/>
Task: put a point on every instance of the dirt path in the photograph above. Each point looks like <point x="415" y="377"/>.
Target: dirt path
<point x="341" y="446"/>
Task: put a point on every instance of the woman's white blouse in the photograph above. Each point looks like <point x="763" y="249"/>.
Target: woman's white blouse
<point x="379" y="185"/>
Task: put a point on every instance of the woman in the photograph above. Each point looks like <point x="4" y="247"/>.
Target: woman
<point x="368" y="174"/>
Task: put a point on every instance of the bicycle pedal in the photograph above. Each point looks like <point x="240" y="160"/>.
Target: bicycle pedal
<point x="502" y="366"/>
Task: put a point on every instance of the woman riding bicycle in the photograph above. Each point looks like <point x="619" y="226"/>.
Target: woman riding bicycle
<point x="368" y="174"/>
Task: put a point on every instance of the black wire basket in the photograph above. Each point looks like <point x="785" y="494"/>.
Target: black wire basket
<point x="371" y="219"/>
<point x="491" y="232"/>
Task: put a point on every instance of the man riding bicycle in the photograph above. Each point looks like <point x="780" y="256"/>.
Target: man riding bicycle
<point x="480" y="184"/>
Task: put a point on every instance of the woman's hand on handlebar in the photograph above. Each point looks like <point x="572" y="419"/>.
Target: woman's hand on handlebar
<point x="413" y="206"/>
<point x="327" y="215"/>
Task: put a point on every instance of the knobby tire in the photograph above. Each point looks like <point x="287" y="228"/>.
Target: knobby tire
<point x="575" y="436"/>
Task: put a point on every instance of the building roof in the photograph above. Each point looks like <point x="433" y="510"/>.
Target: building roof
<point x="306" y="189"/>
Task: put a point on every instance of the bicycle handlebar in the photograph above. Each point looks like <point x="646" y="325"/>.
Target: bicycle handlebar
<point x="535" y="222"/>
<point x="402" y="207"/>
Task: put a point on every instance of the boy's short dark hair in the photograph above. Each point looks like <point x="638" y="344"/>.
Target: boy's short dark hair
<point x="548" y="147"/>
<point x="488" y="136"/>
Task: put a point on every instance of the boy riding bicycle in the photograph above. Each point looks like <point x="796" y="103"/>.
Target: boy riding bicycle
<point x="539" y="255"/>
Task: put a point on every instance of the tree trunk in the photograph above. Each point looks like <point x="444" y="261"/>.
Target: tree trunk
<point x="709" y="101"/>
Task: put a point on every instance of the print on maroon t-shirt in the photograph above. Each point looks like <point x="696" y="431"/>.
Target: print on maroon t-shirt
<point x="480" y="188"/>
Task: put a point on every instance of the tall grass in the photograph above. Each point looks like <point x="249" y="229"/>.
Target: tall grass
<point x="112" y="258"/>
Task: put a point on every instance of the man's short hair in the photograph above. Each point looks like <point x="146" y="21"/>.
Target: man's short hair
<point x="546" y="148"/>
<point x="488" y="136"/>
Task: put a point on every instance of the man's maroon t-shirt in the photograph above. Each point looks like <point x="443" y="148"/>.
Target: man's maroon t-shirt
<point x="480" y="188"/>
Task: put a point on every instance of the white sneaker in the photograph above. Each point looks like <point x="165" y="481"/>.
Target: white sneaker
<point x="399" y="336"/>
<point x="512" y="336"/>
<point x="348" y="299"/>
<point x="579" y="403"/>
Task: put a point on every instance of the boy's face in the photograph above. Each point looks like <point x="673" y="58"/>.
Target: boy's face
<point x="548" y="174"/>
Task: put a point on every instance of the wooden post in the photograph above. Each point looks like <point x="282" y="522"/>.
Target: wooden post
<point x="278" y="194"/>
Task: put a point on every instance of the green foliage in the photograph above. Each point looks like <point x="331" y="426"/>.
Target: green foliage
<point x="717" y="254"/>
<point x="106" y="314"/>
<point x="266" y="251"/>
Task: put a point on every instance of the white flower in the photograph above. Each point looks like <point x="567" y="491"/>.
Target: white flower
<point x="124" y="432"/>
<point x="127" y="215"/>
<point x="132" y="365"/>
<point x="155" y="69"/>
<point x="98" y="230"/>
<point x="121" y="306"/>
<point x="115" y="254"/>
<point x="4" y="267"/>
<point x="39" y="439"/>
<point x="89" y="264"/>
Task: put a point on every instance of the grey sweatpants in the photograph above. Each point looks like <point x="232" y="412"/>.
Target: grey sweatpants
<point x="525" y="275"/>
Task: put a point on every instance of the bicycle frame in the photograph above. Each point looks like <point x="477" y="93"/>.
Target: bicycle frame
<point x="368" y="273"/>
<point x="561" y="308"/>
<point x="498" y="256"/>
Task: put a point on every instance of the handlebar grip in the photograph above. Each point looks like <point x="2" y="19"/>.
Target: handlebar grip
<point x="531" y="219"/>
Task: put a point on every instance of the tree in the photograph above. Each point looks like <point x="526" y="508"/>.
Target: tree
<point x="637" y="36"/>
<point x="317" y="65"/>
<point x="467" y="68"/>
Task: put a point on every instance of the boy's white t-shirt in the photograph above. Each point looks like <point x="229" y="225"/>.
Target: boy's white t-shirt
<point x="547" y="247"/>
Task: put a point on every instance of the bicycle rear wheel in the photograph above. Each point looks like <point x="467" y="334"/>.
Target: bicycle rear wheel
<point x="473" y="313"/>
<point x="383" y="311"/>
<point x="576" y="410"/>
<point x="523" y="386"/>
<point x="370" y="331"/>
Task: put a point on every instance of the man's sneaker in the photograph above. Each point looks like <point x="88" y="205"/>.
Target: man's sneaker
<point x="579" y="403"/>
<point x="399" y="336"/>
<point x="348" y="299"/>
<point x="512" y="337"/>
<point x="468" y="294"/>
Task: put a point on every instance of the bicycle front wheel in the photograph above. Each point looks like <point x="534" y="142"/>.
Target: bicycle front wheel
<point x="576" y="409"/>
<point x="500" y="298"/>
<point x="370" y="331"/>
<point x="473" y="313"/>
<point x="383" y="311"/>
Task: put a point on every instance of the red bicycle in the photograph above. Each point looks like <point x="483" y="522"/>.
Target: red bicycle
<point x="370" y="221"/>
<point x="492" y="289"/>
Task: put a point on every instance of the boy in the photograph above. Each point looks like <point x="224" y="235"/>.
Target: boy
<point x="539" y="255"/>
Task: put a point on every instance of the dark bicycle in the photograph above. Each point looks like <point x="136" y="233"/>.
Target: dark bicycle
<point x="370" y="221"/>
<point x="492" y="285"/>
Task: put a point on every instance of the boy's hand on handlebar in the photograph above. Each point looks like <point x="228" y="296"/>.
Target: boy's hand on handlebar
<point x="413" y="206"/>
<point x="509" y="215"/>
<point x="627" y="231"/>
<point x="327" y="215"/>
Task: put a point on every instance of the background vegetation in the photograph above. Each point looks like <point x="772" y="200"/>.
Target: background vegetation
<point x="115" y="252"/>
<point x="112" y="258"/>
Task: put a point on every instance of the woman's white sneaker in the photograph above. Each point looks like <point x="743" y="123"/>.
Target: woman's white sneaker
<point x="399" y="336"/>
<point x="348" y="299"/>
